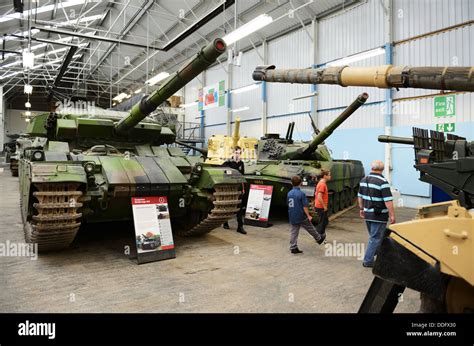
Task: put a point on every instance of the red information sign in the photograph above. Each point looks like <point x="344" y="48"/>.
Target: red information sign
<point x="258" y="205"/>
<point x="153" y="232"/>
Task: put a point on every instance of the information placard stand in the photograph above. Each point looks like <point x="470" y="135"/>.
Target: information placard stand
<point x="258" y="205"/>
<point x="153" y="234"/>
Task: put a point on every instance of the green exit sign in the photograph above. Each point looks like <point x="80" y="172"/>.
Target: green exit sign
<point x="445" y="106"/>
<point x="449" y="127"/>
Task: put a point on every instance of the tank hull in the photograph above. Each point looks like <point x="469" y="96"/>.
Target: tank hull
<point x="58" y="196"/>
<point x="343" y="188"/>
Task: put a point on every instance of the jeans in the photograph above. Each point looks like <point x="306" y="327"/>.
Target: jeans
<point x="323" y="220"/>
<point x="376" y="232"/>
<point x="295" y="230"/>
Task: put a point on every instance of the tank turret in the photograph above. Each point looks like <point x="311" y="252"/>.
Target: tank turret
<point x="205" y="58"/>
<point x="385" y="76"/>
<point x="443" y="162"/>
<point x="274" y="148"/>
<point x="328" y="130"/>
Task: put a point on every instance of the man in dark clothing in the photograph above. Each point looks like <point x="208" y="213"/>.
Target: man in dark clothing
<point x="238" y="164"/>
<point x="376" y="207"/>
<point x="298" y="215"/>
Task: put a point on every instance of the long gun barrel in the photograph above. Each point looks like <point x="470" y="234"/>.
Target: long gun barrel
<point x="328" y="130"/>
<point x="200" y="150"/>
<point x="395" y="139"/>
<point x="385" y="76"/>
<point x="206" y="57"/>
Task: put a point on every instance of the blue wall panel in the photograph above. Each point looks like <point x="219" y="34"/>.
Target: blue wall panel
<point x="357" y="144"/>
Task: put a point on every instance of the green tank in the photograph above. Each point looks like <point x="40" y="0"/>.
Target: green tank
<point x="279" y="159"/>
<point x="84" y="168"/>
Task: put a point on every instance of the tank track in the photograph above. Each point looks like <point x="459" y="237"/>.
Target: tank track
<point x="56" y="222"/>
<point x="338" y="201"/>
<point x="14" y="167"/>
<point x="226" y="205"/>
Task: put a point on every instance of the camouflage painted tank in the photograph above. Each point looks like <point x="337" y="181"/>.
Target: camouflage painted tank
<point x="85" y="168"/>
<point x="279" y="159"/>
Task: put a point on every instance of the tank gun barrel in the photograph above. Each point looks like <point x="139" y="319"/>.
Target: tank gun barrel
<point x="200" y="150"/>
<point x="385" y="76"/>
<point x="328" y="130"/>
<point x="206" y="57"/>
<point x="395" y="139"/>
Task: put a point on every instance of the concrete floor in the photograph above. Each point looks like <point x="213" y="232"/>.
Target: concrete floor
<point x="221" y="272"/>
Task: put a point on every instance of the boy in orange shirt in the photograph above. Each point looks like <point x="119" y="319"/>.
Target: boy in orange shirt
<point x="321" y="198"/>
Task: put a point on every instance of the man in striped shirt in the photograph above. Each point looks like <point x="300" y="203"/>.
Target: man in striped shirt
<point x="376" y="207"/>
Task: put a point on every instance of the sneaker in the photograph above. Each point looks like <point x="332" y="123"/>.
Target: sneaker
<point x="241" y="231"/>
<point x="226" y="225"/>
<point x="367" y="265"/>
<point x="322" y="239"/>
<point x="295" y="251"/>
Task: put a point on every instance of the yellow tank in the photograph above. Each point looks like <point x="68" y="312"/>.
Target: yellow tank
<point x="220" y="147"/>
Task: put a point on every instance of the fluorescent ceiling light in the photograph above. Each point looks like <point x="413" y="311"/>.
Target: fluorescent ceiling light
<point x="24" y="33"/>
<point x="187" y="105"/>
<point x="28" y="104"/>
<point x="248" y="28"/>
<point x="357" y="57"/>
<point x="18" y="62"/>
<point x="159" y="77"/>
<point x="42" y="9"/>
<point x="245" y="88"/>
<point x="88" y="19"/>
<point x="28" y="59"/>
<point x="137" y="91"/>
<point x="37" y="66"/>
<point x="28" y="89"/>
<point x="120" y="97"/>
<point x="42" y="45"/>
<point x="237" y="110"/>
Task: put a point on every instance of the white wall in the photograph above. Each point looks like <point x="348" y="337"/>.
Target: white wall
<point x="290" y="51"/>
<point x="14" y="122"/>
<point x="2" y="119"/>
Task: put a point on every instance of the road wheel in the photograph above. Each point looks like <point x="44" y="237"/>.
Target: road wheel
<point x="348" y="197"/>
<point x="342" y="199"/>
<point x="459" y="296"/>
<point x="330" y="204"/>
<point x="335" y="204"/>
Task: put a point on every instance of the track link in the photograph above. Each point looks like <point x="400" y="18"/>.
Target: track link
<point x="56" y="222"/>
<point x="226" y="205"/>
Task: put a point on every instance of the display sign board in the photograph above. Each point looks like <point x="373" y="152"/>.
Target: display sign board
<point x="212" y="96"/>
<point x="258" y="205"/>
<point x="445" y="112"/>
<point x="153" y="234"/>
